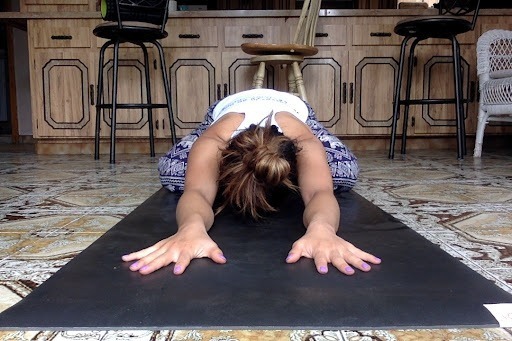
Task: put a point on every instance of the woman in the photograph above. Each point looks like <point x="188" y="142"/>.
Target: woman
<point x="251" y="144"/>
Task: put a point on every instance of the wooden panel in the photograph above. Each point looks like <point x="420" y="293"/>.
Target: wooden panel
<point x="188" y="34"/>
<point x="61" y="33"/>
<point x="375" y="34"/>
<point x="57" y="5"/>
<point x="234" y="36"/>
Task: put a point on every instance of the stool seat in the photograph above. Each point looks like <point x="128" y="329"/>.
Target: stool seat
<point x="439" y="26"/>
<point x="131" y="31"/>
<point x="279" y="49"/>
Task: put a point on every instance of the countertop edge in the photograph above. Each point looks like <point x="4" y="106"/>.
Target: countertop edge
<point x="246" y="13"/>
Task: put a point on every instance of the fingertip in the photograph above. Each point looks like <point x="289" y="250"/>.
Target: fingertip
<point x="178" y="269"/>
<point x="323" y="269"/>
<point x="145" y="270"/>
<point x="217" y="256"/>
<point x="377" y="260"/>
<point x="348" y="271"/>
<point x="291" y="258"/>
<point x="125" y="258"/>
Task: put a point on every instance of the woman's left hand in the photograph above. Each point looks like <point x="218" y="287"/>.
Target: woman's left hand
<point x="324" y="247"/>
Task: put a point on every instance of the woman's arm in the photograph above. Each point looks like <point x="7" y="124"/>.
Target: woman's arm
<point x="322" y="213"/>
<point x="194" y="216"/>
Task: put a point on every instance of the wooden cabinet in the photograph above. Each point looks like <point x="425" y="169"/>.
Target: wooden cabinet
<point x="350" y="82"/>
<point x="57" y="5"/>
<point x="206" y="64"/>
<point x="62" y="77"/>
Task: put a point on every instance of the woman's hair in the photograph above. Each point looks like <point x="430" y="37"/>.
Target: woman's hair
<point x="255" y="164"/>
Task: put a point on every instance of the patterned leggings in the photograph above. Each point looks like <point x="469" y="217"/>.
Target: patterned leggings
<point x="343" y="163"/>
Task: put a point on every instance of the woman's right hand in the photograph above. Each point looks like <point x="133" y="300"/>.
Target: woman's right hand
<point x="179" y="248"/>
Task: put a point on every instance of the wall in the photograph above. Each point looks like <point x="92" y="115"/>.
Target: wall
<point x="22" y="78"/>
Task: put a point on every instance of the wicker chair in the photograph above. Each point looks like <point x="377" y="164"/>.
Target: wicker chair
<point x="494" y="60"/>
<point x="288" y="54"/>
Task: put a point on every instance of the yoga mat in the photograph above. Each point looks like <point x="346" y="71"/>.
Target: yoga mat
<point x="417" y="286"/>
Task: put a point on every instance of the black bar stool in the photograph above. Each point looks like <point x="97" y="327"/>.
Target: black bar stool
<point x="448" y="24"/>
<point x="136" y="22"/>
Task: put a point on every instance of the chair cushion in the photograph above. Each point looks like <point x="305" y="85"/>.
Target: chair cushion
<point x="440" y="26"/>
<point x="132" y="31"/>
<point x="280" y="49"/>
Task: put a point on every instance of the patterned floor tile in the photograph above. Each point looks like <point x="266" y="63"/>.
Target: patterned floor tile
<point x="54" y="206"/>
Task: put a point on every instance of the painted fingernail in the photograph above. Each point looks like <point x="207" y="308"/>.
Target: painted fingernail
<point x="365" y="266"/>
<point x="349" y="269"/>
<point x="378" y="259"/>
<point x="222" y="256"/>
<point x="289" y="257"/>
<point x="144" y="268"/>
<point x="323" y="269"/>
<point x="134" y="265"/>
<point x="177" y="269"/>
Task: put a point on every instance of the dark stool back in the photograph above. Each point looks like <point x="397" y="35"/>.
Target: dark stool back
<point x="446" y="25"/>
<point x="136" y="22"/>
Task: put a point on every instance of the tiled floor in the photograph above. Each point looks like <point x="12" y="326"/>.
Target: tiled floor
<point x="52" y="207"/>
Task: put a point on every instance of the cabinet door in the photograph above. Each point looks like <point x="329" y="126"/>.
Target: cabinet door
<point x="371" y="90"/>
<point x="325" y="77"/>
<point x="434" y="75"/>
<point x="195" y="84"/>
<point x="238" y="73"/>
<point x="61" y="81"/>
<point x="131" y="89"/>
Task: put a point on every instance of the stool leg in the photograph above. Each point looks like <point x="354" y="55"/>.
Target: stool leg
<point x="292" y="84"/>
<point x="167" y="90"/>
<point x="461" y="138"/>
<point x="148" y="98"/>
<point x="299" y="81"/>
<point x="99" y="101"/>
<point x="408" y="85"/>
<point x="396" y="100"/>
<point x="114" y="105"/>
<point x="257" y="81"/>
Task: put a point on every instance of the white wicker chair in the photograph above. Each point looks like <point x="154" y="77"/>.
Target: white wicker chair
<point x="494" y="55"/>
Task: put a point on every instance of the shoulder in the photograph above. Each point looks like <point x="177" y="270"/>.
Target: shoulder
<point x="293" y="127"/>
<point x="224" y="127"/>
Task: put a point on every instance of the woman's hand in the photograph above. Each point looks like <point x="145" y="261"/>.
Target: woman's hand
<point x="179" y="248"/>
<point x="325" y="247"/>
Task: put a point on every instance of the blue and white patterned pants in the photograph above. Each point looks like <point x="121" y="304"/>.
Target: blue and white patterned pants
<point x="343" y="163"/>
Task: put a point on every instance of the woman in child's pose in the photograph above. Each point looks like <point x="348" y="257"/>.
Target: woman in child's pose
<point x="252" y="144"/>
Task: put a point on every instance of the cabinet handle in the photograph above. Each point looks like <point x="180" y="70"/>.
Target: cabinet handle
<point x="163" y="123"/>
<point x="218" y="91"/>
<point x="413" y="121"/>
<point x="189" y="36"/>
<point x="91" y="93"/>
<point x="380" y="34"/>
<point x="155" y="66"/>
<point x="344" y="94"/>
<point x="351" y="93"/>
<point x="156" y="125"/>
<point x="252" y="35"/>
<point x="321" y="35"/>
<point x="225" y="89"/>
<point x="61" y="37"/>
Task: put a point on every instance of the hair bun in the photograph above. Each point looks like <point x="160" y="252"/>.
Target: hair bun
<point x="268" y="166"/>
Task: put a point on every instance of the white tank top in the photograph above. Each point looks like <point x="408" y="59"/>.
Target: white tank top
<point x="258" y="105"/>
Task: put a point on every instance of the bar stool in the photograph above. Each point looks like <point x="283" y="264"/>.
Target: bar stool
<point x="136" y="22"/>
<point x="448" y="24"/>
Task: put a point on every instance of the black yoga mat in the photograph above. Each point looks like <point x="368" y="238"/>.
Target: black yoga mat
<point x="417" y="286"/>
